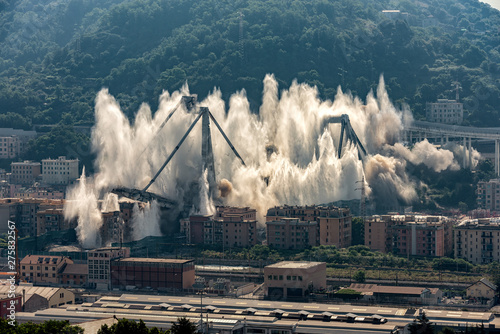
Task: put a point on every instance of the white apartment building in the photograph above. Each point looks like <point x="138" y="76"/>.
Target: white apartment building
<point x="478" y="240"/>
<point x="445" y="111"/>
<point x="59" y="171"/>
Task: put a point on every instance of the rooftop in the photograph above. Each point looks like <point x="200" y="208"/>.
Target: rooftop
<point x="295" y="265"/>
<point x="76" y="269"/>
<point x="151" y="260"/>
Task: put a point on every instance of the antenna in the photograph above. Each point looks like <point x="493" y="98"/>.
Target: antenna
<point x="457" y="88"/>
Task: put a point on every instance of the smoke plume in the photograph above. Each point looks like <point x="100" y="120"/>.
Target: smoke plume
<point x="290" y="154"/>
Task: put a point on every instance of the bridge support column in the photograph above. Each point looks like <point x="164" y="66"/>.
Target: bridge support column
<point x="470" y="153"/>
<point x="464" y="162"/>
<point x="497" y="157"/>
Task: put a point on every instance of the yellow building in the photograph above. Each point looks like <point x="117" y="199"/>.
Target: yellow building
<point x="478" y="241"/>
<point x="294" y="279"/>
<point x="482" y="289"/>
<point x="43" y="269"/>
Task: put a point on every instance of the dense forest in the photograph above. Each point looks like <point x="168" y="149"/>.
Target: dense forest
<point x="55" y="55"/>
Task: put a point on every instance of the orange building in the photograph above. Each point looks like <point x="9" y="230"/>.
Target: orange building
<point x="292" y="233"/>
<point x="333" y="225"/>
<point x="407" y="235"/>
<point x="229" y="226"/>
<point x="43" y="269"/>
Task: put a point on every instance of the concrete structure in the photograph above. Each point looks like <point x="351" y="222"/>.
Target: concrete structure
<point x="482" y="289"/>
<point x="40" y="269"/>
<point x="60" y="171"/>
<point x="152" y="273"/>
<point x="50" y="220"/>
<point x="75" y="275"/>
<point x="333" y="224"/>
<point x="488" y="195"/>
<point x="290" y="279"/>
<point x="24" y="172"/>
<point x="478" y="240"/>
<point x="409" y="235"/>
<point x="445" y="111"/>
<point x="39" y="298"/>
<point x="292" y="233"/>
<point x="229" y="227"/>
<point x="9" y="302"/>
<point x="99" y="265"/>
<point x="398" y="294"/>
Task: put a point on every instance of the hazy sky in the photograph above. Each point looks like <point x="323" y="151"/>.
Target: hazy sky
<point x="493" y="3"/>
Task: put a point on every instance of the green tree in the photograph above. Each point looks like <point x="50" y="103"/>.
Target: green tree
<point x="358" y="231"/>
<point x="125" y="326"/>
<point x="359" y="276"/>
<point x="421" y="325"/>
<point x="183" y="326"/>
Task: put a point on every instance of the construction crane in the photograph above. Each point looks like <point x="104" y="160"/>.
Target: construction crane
<point x="346" y="129"/>
<point x="206" y="153"/>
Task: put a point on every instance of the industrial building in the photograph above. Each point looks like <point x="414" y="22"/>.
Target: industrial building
<point x="478" y="240"/>
<point x="398" y="294"/>
<point x="36" y="298"/>
<point x="152" y="273"/>
<point x="289" y="279"/>
<point x="99" y="265"/>
<point x="409" y="235"/>
<point x="237" y="316"/>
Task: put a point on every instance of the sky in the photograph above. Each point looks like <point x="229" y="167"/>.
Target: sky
<point x="493" y="3"/>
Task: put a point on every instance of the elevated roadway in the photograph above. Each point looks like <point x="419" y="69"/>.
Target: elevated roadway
<point x="420" y="130"/>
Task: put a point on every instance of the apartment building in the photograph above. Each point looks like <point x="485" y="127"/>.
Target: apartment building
<point x="41" y="269"/>
<point x="488" y="195"/>
<point x="10" y="147"/>
<point x="60" y="171"/>
<point x="292" y="233"/>
<point x="409" y="235"/>
<point x="99" y="265"/>
<point x="50" y="220"/>
<point x="229" y="226"/>
<point x="26" y="214"/>
<point x="24" y="172"/>
<point x="333" y="224"/>
<point x="445" y="111"/>
<point x="8" y="210"/>
<point x="478" y="240"/>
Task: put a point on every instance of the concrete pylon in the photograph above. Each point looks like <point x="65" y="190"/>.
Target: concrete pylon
<point x="207" y="154"/>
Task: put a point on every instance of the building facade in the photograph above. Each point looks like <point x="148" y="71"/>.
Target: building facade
<point x="60" y="171"/>
<point x="40" y="269"/>
<point x="99" y="265"/>
<point x="229" y="227"/>
<point x="50" y="220"/>
<point x="292" y="233"/>
<point x="445" y="111"/>
<point x="333" y="225"/>
<point x="152" y="273"/>
<point x="478" y="240"/>
<point x="409" y="235"/>
<point x="488" y="195"/>
<point x="289" y="279"/>
<point x="24" y="172"/>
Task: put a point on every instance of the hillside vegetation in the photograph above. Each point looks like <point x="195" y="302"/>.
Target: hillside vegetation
<point x="55" y="55"/>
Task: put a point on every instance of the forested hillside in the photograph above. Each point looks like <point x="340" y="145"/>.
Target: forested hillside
<point x="55" y="55"/>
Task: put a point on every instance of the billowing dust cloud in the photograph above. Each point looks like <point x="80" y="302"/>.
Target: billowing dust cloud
<point x="290" y="155"/>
